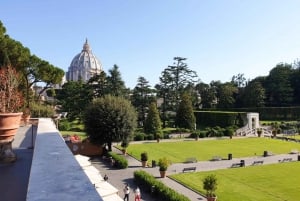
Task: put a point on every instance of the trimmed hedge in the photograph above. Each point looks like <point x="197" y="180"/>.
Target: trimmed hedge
<point x="270" y="113"/>
<point x="120" y="161"/>
<point x="219" y="118"/>
<point x="146" y="181"/>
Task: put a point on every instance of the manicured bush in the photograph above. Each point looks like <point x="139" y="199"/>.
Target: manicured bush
<point x="139" y="137"/>
<point x="148" y="183"/>
<point x="120" y="161"/>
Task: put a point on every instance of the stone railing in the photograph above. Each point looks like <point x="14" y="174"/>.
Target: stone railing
<point x="55" y="174"/>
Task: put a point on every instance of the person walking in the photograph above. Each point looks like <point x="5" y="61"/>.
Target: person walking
<point x="105" y="177"/>
<point x="126" y="192"/>
<point x="137" y="193"/>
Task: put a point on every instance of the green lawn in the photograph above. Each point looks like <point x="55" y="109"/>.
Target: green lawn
<point x="204" y="150"/>
<point x="276" y="182"/>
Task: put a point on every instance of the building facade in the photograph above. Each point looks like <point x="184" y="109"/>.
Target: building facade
<point x="84" y="65"/>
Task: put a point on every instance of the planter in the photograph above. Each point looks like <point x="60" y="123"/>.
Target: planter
<point x="9" y="124"/>
<point x="212" y="198"/>
<point x="25" y="119"/>
<point x="144" y="163"/>
<point x="162" y="174"/>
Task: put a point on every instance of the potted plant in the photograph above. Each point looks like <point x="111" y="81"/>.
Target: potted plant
<point x="11" y="101"/>
<point x="163" y="164"/>
<point x="210" y="185"/>
<point x="144" y="158"/>
<point x="124" y="145"/>
<point x="259" y="132"/>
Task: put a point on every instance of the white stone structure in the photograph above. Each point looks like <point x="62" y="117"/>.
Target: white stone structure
<point x="84" y="65"/>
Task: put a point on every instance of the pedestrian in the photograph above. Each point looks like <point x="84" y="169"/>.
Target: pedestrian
<point x="126" y="192"/>
<point x="137" y="193"/>
<point x="105" y="177"/>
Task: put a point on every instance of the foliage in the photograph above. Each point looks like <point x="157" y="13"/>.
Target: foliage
<point x="74" y="97"/>
<point x="98" y="84"/>
<point x="139" y="137"/>
<point x="163" y="164"/>
<point x="11" y="99"/>
<point x="279" y="89"/>
<point x="210" y="185"/>
<point x="254" y="95"/>
<point x="120" y="161"/>
<point x="185" y="117"/>
<point x="147" y="182"/>
<point x="174" y="80"/>
<point x="144" y="156"/>
<point x="153" y="122"/>
<point x="219" y="118"/>
<point x="142" y="96"/>
<point x="64" y="125"/>
<point x="115" y="84"/>
<point x="41" y="110"/>
<point x="109" y="119"/>
<point x="125" y="143"/>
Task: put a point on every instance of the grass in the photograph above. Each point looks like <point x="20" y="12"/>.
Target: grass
<point x="204" y="150"/>
<point x="276" y="182"/>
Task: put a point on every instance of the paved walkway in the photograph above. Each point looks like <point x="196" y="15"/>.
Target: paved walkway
<point x="119" y="177"/>
<point x="15" y="176"/>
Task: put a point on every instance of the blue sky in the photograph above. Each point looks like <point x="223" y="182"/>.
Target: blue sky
<point x="219" y="38"/>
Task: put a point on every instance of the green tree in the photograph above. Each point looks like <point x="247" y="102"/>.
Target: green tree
<point x="226" y="94"/>
<point x="152" y="122"/>
<point x="109" y="119"/>
<point x="279" y="91"/>
<point x="99" y="85"/>
<point x="253" y="95"/>
<point x="185" y="117"/>
<point x="116" y="85"/>
<point x="142" y="96"/>
<point x="74" y="97"/>
<point x="207" y="95"/>
<point x="181" y="77"/>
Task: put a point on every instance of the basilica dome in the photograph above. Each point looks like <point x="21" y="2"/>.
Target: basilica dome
<point x="84" y="65"/>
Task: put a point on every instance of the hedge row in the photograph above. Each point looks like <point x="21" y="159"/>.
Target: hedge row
<point x="270" y="113"/>
<point x="157" y="188"/>
<point x="219" y="118"/>
<point x="120" y="161"/>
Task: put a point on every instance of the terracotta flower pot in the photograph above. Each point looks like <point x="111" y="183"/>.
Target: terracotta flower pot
<point x="9" y="124"/>
<point x="162" y="174"/>
<point x="144" y="163"/>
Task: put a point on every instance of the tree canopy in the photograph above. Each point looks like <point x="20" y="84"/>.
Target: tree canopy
<point x="109" y="119"/>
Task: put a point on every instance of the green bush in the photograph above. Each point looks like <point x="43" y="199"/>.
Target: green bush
<point x="120" y="161"/>
<point x="139" y="137"/>
<point x="64" y="125"/>
<point x="150" y="137"/>
<point x="148" y="183"/>
<point x="41" y="111"/>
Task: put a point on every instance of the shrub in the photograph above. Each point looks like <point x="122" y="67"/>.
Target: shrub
<point x="144" y="156"/>
<point x="64" y="125"/>
<point x="139" y="137"/>
<point x="148" y="183"/>
<point x="163" y="164"/>
<point x="120" y="161"/>
<point x="210" y="184"/>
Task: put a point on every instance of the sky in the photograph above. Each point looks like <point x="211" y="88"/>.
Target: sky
<point x="219" y="38"/>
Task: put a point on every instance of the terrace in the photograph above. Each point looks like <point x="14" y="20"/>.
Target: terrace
<point x="45" y="168"/>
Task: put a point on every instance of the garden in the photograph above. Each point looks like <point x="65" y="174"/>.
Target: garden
<point x="204" y="150"/>
<point x="274" y="182"/>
